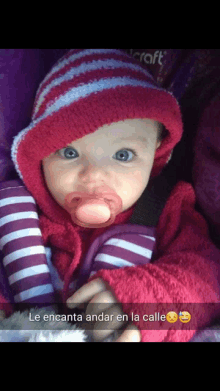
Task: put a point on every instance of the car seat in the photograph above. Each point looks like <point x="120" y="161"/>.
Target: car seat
<point x="20" y="74"/>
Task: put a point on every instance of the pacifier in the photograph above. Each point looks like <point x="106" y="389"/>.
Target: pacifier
<point x="93" y="210"/>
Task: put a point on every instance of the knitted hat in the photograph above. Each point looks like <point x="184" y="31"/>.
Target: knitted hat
<point x="86" y="89"/>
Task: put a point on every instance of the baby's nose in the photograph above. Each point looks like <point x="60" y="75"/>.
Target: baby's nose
<point x="92" y="174"/>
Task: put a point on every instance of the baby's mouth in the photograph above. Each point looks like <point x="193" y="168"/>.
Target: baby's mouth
<point x="95" y="210"/>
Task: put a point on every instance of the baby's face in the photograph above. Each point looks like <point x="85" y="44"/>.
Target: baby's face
<point x="120" y="155"/>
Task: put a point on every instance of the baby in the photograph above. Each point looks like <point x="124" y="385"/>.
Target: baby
<point x="120" y="154"/>
<point x="101" y="128"/>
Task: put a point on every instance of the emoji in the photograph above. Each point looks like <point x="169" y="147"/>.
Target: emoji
<point x="184" y="316"/>
<point x="171" y="317"/>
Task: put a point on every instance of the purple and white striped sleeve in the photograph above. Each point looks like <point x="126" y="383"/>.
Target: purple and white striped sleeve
<point x="125" y="249"/>
<point x="21" y="243"/>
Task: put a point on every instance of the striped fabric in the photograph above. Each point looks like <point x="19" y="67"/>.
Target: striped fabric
<point x="122" y="245"/>
<point x="21" y="243"/>
<point x="126" y="249"/>
<point x="57" y="76"/>
<point x="80" y="66"/>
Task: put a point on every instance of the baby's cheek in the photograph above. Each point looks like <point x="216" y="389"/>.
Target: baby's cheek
<point x="132" y="190"/>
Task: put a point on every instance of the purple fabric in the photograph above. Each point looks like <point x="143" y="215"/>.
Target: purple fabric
<point x="21" y="71"/>
<point x="198" y="154"/>
<point x="206" y="168"/>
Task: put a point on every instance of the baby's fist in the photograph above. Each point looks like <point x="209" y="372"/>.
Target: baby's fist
<point x="102" y="301"/>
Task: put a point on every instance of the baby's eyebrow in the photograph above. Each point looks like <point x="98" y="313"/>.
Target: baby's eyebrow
<point x="139" y="139"/>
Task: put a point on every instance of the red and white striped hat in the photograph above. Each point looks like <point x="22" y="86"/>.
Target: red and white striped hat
<point x="84" y="90"/>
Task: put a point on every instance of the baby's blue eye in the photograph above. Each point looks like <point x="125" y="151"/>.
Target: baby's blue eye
<point x="124" y="154"/>
<point x="68" y="153"/>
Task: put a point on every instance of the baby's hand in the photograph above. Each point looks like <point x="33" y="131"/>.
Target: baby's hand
<point x="96" y="292"/>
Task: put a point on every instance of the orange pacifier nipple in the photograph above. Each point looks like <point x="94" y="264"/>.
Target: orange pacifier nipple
<point x="93" y="210"/>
